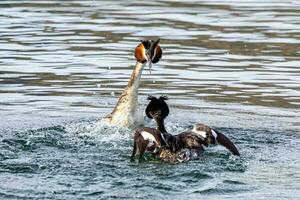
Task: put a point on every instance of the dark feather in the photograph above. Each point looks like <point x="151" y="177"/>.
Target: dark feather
<point x="173" y="143"/>
<point x="227" y="143"/>
<point x="191" y="141"/>
<point x="158" y="107"/>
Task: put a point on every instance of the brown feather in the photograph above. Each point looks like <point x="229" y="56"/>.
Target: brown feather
<point x="157" y="54"/>
<point x="139" y="53"/>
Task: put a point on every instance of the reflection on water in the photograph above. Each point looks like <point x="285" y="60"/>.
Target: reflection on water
<point x="223" y="51"/>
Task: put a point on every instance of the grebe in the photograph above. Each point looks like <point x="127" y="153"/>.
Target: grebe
<point x="159" y="142"/>
<point x="175" y="148"/>
<point x="126" y="112"/>
<point x="154" y="140"/>
<point x="148" y="139"/>
<point x="158" y="110"/>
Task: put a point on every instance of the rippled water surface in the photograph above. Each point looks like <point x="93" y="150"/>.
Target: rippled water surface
<point x="234" y="65"/>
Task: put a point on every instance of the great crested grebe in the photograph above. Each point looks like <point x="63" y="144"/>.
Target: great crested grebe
<point x="176" y="148"/>
<point x="126" y="111"/>
<point x="153" y="140"/>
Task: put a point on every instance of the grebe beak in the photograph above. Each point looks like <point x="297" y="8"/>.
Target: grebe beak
<point x="151" y="52"/>
<point x="149" y="60"/>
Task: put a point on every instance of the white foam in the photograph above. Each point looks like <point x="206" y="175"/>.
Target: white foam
<point x="99" y="132"/>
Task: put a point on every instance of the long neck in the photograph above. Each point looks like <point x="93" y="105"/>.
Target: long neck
<point x="134" y="80"/>
<point x="160" y="124"/>
<point x="127" y="105"/>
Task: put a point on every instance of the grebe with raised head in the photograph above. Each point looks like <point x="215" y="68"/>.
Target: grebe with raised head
<point x="126" y="111"/>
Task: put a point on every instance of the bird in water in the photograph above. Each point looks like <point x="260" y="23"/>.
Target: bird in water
<point x="154" y="140"/>
<point x="175" y="148"/>
<point x="126" y="111"/>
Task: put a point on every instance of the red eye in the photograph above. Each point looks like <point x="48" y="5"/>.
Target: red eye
<point x="157" y="54"/>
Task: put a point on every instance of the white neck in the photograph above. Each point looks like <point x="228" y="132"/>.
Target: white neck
<point x="126" y="110"/>
<point x="134" y="80"/>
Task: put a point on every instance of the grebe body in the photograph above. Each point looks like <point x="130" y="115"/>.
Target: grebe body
<point x="183" y="146"/>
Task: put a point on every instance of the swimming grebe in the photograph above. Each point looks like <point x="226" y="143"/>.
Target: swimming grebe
<point x="126" y="112"/>
<point x="176" y="148"/>
<point x="158" y="110"/>
<point x="151" y="139"/>
<point x="158" y="141"/>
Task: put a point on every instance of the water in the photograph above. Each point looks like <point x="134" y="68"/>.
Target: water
<point x="233" y="65"/>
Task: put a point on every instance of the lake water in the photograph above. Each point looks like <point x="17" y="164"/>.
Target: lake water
<point x="234" y="65"/>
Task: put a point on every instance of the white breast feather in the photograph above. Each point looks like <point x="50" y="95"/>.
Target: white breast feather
<point x="127" y="112"/>
<point x="214" y="133"/>
<point x="163" y="137"/>
<point x="201" y="133"/>
<point x="148" y="136"/>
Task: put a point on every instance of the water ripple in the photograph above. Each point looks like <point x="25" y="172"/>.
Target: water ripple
<point x="231" y="64"/>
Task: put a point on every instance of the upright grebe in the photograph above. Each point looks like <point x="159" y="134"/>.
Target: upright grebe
<point x="176" y="148"/>
<point x="126" y="111"/>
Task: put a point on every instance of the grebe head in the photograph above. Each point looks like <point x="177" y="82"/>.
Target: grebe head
<point x="148" y="51"/>
<point x="157" y="106"/>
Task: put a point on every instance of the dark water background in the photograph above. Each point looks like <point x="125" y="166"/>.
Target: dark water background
<point x="234" y="65"/>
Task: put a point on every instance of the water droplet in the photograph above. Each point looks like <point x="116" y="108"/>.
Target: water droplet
<point x="109" y="67"/>
<point x="153" y="81"/>
<point x="99" y="85"/>
<point x="112" y="94"/>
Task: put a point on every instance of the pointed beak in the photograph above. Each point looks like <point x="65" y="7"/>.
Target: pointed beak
<point x="150" y="53"/>
<point x="149" y="60"/>
<point x="226" y="142"/>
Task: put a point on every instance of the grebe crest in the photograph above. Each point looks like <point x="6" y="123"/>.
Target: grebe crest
<point x="157" y="107"/>
<point x="126" y="112"/>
